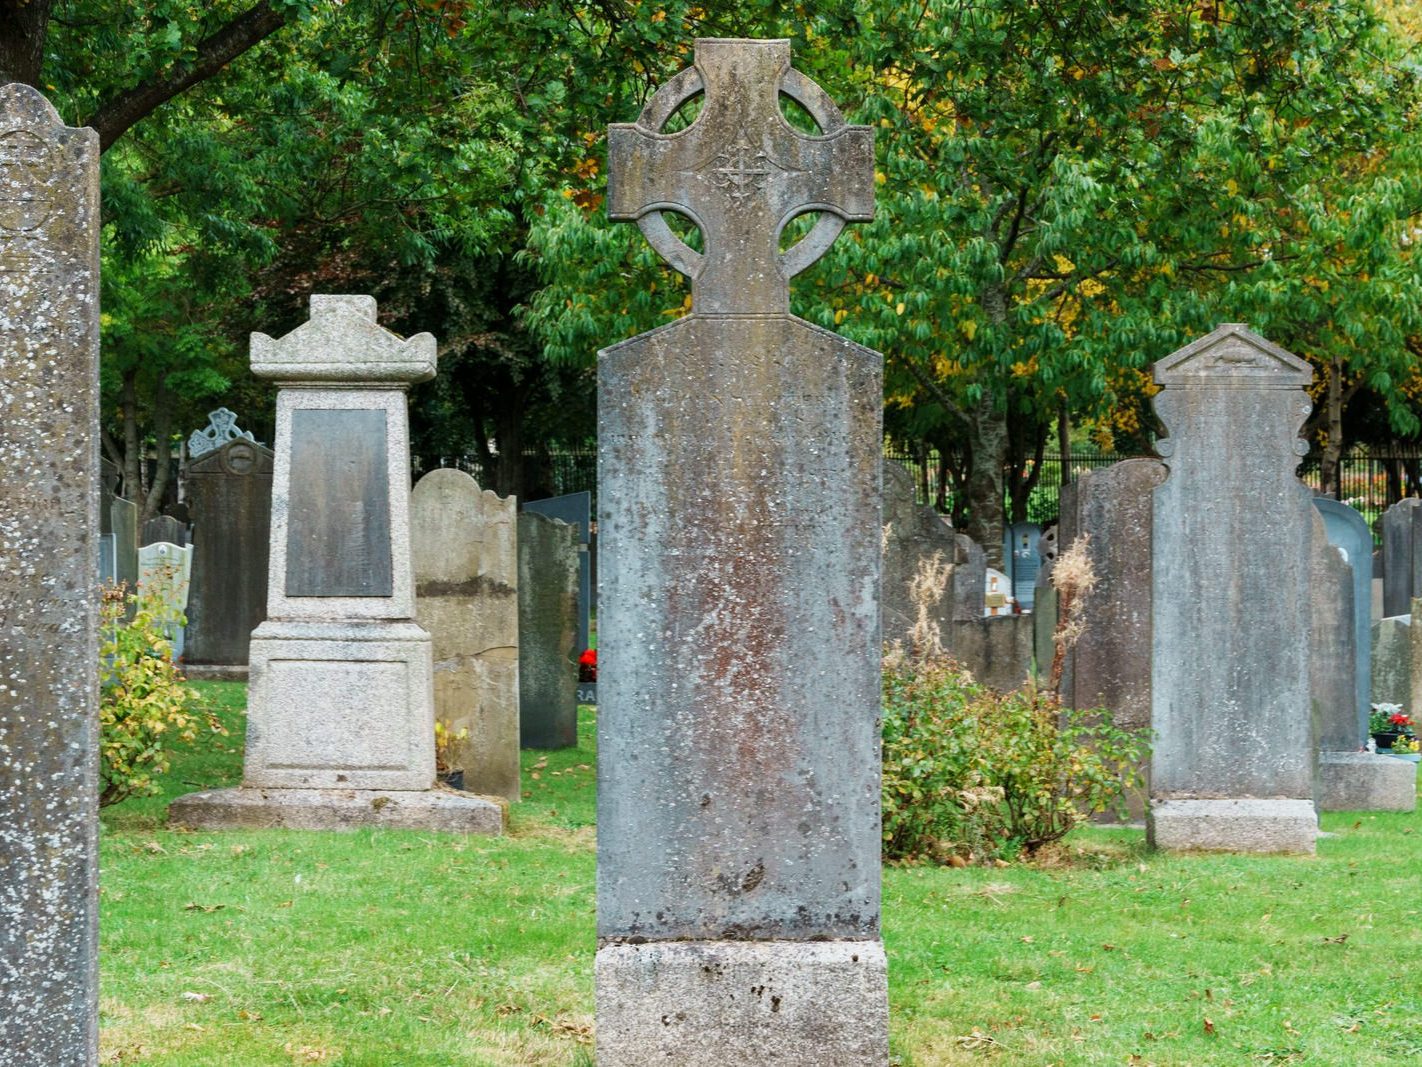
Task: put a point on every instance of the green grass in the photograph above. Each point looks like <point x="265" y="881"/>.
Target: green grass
<point x="402" y="949"/>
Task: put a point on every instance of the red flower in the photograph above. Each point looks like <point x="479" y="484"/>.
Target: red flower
<point x="1399" y="720"/>
<point x="587" y="666"/>
<point x="589" y="658"/>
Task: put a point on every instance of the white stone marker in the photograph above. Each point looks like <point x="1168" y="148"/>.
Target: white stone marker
<point x="341" y="706"/>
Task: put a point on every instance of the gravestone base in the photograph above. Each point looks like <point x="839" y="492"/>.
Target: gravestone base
<point x="1362" y="781"/>
<point x="1233" y="825"/>
<point x="215" y="672"/>
<point x="340" y="705"/>
<point x="337" y="809"/>
<point x="715" y="1003"/>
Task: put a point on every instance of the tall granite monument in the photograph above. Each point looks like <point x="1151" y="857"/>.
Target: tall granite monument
<point x="341" y="706"/>
<point x="49" y="556"/>
<point x="1233" y="763"/>
<point x="739" y="503"/>
<point x="465" y="548"/>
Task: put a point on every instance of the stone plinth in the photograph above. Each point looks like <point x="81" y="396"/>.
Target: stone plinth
<point x="1233" y="761"/>
<point x="49" y="555"/>
<point x="739" y="525"/>
<point x="465" y="543"/>
<point x="342" y="694"/>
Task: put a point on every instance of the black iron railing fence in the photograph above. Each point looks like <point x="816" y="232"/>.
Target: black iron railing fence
<point x="1369" y="482"/>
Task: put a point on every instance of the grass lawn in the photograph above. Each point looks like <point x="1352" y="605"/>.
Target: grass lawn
<point x="404" y="949"/>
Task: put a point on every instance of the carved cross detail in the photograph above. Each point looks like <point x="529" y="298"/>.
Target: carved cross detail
<point x="741" y="173"/>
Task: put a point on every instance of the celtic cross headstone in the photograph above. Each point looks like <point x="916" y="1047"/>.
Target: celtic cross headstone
<point x="739" y="513"/>
<point x="49" y="576"/>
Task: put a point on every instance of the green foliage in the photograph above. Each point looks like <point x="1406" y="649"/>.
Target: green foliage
<point x="973" y="775"/>
<point x="143" y="703"/>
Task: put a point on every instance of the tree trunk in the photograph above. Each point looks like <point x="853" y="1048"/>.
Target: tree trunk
<point x="987" y="438"/>
<point x="132" y="453"/>
<point x="163" y="454"/>
<point x="23" y="27"/>
<point x="508" y="434"/>
<point x="1333" y="433"/>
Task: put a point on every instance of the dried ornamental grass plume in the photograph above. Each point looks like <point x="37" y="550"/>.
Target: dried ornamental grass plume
<point x="926" y="590"/>
<point x="1074" y="577"/>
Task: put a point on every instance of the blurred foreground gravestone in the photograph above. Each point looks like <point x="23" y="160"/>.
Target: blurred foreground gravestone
<point x="739" y="470"/>
<point x="49" y="552"/>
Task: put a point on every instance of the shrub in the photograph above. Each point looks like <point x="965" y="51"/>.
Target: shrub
<point x="143" y="701"/>
<point x="971" y="775"/>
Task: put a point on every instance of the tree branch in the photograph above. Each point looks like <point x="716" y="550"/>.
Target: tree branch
<point x="118" y="114"/>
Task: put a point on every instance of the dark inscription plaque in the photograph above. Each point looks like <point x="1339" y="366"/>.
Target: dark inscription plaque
<point x="338" y="510"/>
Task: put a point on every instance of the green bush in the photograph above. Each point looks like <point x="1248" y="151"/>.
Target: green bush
<point x="971" y="775"/>
<point x="143" y="702"/>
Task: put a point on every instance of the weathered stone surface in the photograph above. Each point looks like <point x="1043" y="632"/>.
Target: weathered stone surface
<point x="465" y="547"/>
<point x="49" y="532"/>
<point x="576" y="510"/>
<point x="1110" y="665"/>
<point x="548" y="632"/>
<point x="1364" y="781"/>
<point x="338" y="809"/>
<point x="717" y="1003"/>
<point x="1231" y="541"/>
<point x="230" y="493"/>
<point x="123" y="515"/>
<point x="1348" y="531"/>
<point x="1236" y="825"/>
<point x="1392" y="660"/>
<point x="916" y="536"/>
<point x="220" y="429"/>
<point x="342" y="695"/>
<point x="1401" y="556"/>
<point x="164" y="529"/>
<point x="997" y="650"/>
<point x="739" y="518"/>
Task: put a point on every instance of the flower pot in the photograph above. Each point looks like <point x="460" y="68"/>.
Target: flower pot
<point x="1385" y="740"/>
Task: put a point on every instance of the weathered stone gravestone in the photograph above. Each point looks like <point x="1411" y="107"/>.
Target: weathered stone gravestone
<point x="49" y="531"/>
<point x="1233" y="763"/>
<point x="915" y="537"/>
<point x="1401" y="556"/>
<point x="341" y="706"/>
<point x="1110" y="664"/>
<point x="1392" y="661"/>
<point x="465" y="547"/>
<point x="229" y="489"/>
<point x="108" y="540"/>
<point x="739" y="508"/>
<point x="1348" y="532"/>
<point x="1022" y="558"/>
<point x="576" y="510"/>
<point x="221" y="429"/>
<point x="165" y="529"/>
<point x="548" y="575"/>
<point x="1349" y="778"/>
<point x="165" y="573"/>
<point x="123" y="516"/>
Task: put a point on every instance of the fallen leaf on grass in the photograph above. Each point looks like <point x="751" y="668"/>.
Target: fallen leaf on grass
<point x="206" y="909"/>
<point x="1209" y="1026"/>
<point x="1340" y="939"/>
<point x="198" y="998"/>
<point x="977" y="1041"/>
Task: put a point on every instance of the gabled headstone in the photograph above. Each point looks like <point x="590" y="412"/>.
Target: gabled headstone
<point x="165" y="529"/>
<point x="1348" y="532"/>
<point x="341" y="703"/>
<point x="1232" y="766"/>
<point x="229" y="490"/>
<point x="49" y="531"/>
<point x="465" y="546"/>
<point x="576" y="510"/>
<point x="739" y="465"/>
<point x="548" y="576"/>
